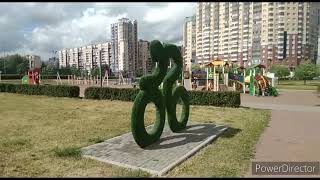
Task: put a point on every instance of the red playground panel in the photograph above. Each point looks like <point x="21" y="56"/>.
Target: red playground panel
<point x="34" y="76"/>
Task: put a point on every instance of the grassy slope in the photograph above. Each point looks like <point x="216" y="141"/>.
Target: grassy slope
<point x="37" y="131"/>
<point x="298" y="85"/>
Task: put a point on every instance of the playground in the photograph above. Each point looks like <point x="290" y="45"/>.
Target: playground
<point x="70" y="124"/>
<point x="219" y="75"/>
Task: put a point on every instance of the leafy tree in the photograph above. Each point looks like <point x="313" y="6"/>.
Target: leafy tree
<point x="280" y="71"/>
<point x="43" y="64"/>
<point x="3" y="62"/>
<point x="306" y="71"/>
<point x="63" y="71"/>
<point x="75" y="71"/>
<point x="49" y="70"/>
<point x="95" y="71"/>
<point x="43" y="68"/>
<point x="12" y="62"/>
<point x="105" y="67"/>
<point x="84" y="73"/>
<point x="139" y="74"/>
<point x="23" y="67"/>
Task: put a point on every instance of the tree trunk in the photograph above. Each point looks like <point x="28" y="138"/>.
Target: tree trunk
<point x="304" y="81"/>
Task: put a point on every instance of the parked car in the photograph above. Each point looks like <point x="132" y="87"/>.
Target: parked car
<point x="316" y="78"/>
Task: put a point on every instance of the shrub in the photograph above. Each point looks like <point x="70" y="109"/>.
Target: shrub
<point x="209" y="98"/>
<point x="205" y="98"/>
<point x="48" y="90"/>
<point x="124" y="94"/>
<point x="10" y="76"/>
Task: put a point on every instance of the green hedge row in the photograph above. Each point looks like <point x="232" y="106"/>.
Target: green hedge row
<point x="123" y="94"/>
<point x="209" y="98"/>
<point x="10" y="76"/>
<point x="205" y="98"/>
<point x="48" y="90"/>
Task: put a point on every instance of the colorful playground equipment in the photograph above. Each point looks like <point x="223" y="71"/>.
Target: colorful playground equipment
<point x="237" y="79"/>
<point x="257" y="81"/>
<point x="253" y="79"/>
<point x="33" y="77"/>
<point x="215" y="80"/>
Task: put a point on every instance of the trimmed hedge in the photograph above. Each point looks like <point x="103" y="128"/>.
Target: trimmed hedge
<point x="123" y="94"/>
<point x="209" y="98"/>
<point x="48" y="90"/>
<point x="203" y="98"/>
<point x="10" y="76"/>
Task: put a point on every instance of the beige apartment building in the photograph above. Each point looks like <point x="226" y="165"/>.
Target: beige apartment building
<point x="34" y="61"/>
<point x="189" y="42"/>
<point x="223" y="31"/>
<point x="144" y="64"/>
<point x="86" y="57"/>
<point x="257" y="32"/>
<point x="124" y="37"/>
<point x="203" y="32"/>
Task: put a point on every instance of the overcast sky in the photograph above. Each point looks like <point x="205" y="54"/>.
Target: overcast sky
<point x="40" y="28"/>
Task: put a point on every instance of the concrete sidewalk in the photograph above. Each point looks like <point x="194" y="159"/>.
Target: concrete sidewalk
<point x="293" y="132"/>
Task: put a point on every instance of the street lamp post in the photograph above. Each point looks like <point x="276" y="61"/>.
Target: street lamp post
<point x="4" y="63"/>
<point x="100" y="69"/>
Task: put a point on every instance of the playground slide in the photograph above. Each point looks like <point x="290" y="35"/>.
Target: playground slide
<point x="256" y="84"/>
<point x="262" y="86"/>
<point x="239" y="85"/>
<point x="262" y="82"/>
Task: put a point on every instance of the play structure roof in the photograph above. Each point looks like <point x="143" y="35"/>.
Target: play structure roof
<point x="240" y="67"/>
<point x="257" y="65"/>
<point x="217" y="62"/>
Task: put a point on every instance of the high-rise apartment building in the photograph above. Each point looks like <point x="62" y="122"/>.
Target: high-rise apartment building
<point x="318" y="45"/>
<point x="34" y="61"/>
<point x="318" y="52"/>
<point x="289" y="32"/>
<point x="144" y="63"/>
<point x="124" y="37"/>
<point x="86" y="57"/>
<point x="54" y="61"/>
<point x="257" y="32"/>
<point x="204" y="32"/>
<point x="189" y="42"/>
<point x="233" y="28"/>
<point x="62" y="56"/>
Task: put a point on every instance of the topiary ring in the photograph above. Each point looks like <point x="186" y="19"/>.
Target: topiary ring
<point x="149" y="92"/>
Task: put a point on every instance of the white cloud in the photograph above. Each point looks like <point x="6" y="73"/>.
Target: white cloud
<point x="66" y="25"/>
<point x="93" y="26"/>
<point x="172" y="12"/>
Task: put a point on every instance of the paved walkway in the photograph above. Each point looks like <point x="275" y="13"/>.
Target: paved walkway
<point x="160" y="157"/>
<point x="293" y="132"/>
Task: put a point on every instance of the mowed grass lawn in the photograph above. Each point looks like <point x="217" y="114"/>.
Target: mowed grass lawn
<point x="43" y="81"/>
<point x="298" y="85"/>
<point x="41" y="136"/>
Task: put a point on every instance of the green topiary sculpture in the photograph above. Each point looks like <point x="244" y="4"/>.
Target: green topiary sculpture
<point x="171" y="94"/>
<point x="150" y="92"/>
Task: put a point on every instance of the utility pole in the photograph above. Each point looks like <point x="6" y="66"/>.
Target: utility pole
<point x="4" y="63"/>
<point x="100" y="69"/>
